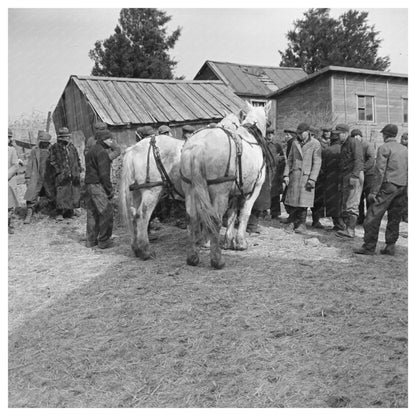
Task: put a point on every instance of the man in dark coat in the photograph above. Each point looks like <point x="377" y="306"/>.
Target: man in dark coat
<point x="369" y="155"/>
<point x="301" y="172"/>
<point x="332" y="172"/>
<point x="99" y="192"/>
<point x="352" y="163"/>
<point x="404" y="140"/>
<point x="35" y="174"/>
<point x="388" y="193"/>
<point x="318" y="209"/>
<point x="143" y="132"/>
<point x="63" y="175"/>
<point x="114" y="152"/>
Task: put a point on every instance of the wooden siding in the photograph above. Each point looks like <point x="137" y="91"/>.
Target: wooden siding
<point x="308" y="103"/>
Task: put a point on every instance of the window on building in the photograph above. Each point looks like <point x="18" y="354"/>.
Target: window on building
<point x="365" y="107"/>
<point x="405" y="111"/>
<point x="258" y="103"/>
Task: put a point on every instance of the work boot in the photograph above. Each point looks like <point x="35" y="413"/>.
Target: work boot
<point x="339" y="224"/>
<point x="253" y="223"/>
<point x="289" y="220"/>
<point x="317" y="224"/>
<point x="299" y="225"/>
<point x="349" y="232"/>
<point x="301" y="229"/>
<point x="106" y="244"/>
<point x="28" y="217"/>
<point x="365" y="251"/>
<point x="90" y="244"/>
<point x="389" y="250"/>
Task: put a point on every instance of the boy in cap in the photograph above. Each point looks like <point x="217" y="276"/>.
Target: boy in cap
<point x="388" y="193"/>
<point x="187" y="132"/>
<point x="164" y="130"/>
<point x="35" y="174"/>
<point x="63" y="175"/>
<point x="301" y="172"/>
<point x="352" y="165"/>
<point x="143" y="132"/>
<point x="99" y="192"/>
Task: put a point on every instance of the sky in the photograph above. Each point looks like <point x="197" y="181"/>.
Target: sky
<point x="46" y="46"/>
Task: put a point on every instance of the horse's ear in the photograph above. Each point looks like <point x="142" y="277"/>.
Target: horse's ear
<point x="267" y="108"/>
<point x="241" y="116"/>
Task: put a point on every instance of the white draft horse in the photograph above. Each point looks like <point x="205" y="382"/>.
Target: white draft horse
<point x="149" y="167"/>
<point x="214" y="167"/>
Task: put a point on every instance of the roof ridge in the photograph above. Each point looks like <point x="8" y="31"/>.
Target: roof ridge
<point x="256" y="66"/>
<point x="150" y="80"/>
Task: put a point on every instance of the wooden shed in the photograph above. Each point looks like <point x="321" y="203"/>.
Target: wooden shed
<point x="126" y="103"/>
<point x="361" y="98"/>
<point x="253" y="83"/>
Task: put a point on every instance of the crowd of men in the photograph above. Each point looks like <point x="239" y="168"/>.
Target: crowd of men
<point x="339" y="175"/>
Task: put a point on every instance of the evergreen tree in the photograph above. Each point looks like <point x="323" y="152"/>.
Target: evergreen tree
<point x="319" y="40"/>
<point x="138" y="48"/>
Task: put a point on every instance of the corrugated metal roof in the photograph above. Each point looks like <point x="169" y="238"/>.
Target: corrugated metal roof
<point x="121" y="101"/>
<point x="253" y="80"/>
<point x="339" y="69"/>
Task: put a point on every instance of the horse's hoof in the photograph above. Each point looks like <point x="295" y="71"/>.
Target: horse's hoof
<point x="240" y="246"/>
<point x="218" y="264"/>
<point x="192" y="260"/>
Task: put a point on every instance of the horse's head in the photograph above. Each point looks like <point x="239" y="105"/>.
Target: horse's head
<point x="257" y="116"/>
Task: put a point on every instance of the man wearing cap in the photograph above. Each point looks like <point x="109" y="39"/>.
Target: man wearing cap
<point x="113" y="152"/>
<point x="143" y="132"/>
<point x="404" y="141"/>
<point x="187" y="132"/>
<point x="164" y="130"/>
<point x="318" y="209"/>
<point x="99" y="192"/>
<point x="352" y="165"/>
<point x="332" y="172"/>
<point x="388" y="193"/>
<point x="300" y="175"/>
<point x="369" y="155"/>
<point x="13" y="166"/>
<point x="63" y="175"/>
<point x="35" y="174"/>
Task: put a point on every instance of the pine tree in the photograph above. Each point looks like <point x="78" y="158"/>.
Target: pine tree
<point x="138" y="48"/>
<point x="319" y="40"/>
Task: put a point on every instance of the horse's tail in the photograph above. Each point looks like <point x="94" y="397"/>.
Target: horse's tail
<point x="127" y="178"/>
<point x="201" y="208"/>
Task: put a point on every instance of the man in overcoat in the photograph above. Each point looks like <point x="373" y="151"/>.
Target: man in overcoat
<point x="301" y="172"/>
<point x="332" y="172"/>
<point x="35" y="174"/>
<point x="63" y="174"/>
<point x="13" y="166"/>
<point x="388" y="193"/>
<point x="352" y="164"/>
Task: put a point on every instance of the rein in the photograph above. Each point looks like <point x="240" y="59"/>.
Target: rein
<point x="166" y="181"/>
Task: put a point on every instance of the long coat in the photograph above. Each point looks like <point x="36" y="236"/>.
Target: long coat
<point x="303" y="164"/>
<point x="332" y="172"/>
<point x="13" y="166"/>
<point x="33" y="175"/>
<point x="63" y="175"/>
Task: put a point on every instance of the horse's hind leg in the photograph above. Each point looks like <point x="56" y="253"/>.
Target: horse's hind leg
<point x="192" y="252"/>
<point x="220" y="203"/>
<point x="140" y="244"/>
<point x="230" y="232"/>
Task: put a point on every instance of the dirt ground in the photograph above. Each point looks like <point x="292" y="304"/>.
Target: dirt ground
<point x="293" y="321"/>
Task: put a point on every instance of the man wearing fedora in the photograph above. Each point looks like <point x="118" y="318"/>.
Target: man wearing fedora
<point x="388" y="193"/>
<point x="352" y="170"/>
<point x="301" y="172"/>
<point x="35" y="174"/>
<point x="63" y="173"/>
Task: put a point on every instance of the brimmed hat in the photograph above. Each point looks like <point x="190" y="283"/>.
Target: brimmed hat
<point x="99" y="125"/>
<point x="145" y="131"/>
<point x="10" y="133"/>
<point x="164" y="129"/>
<point x="390" y="130"/>
<point x="302" y="127"/>
<point x="342" y="128"/>
<point x="326" y="129"/>
<point x="43" y="136"/>
<point x="64" y="132"/>
<point x="188" y="129"/>
<point x="102" y="135"/>
<point x="270" y="129"/>
<point x="356" y="132"/>
<point x="293" y="132"/>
